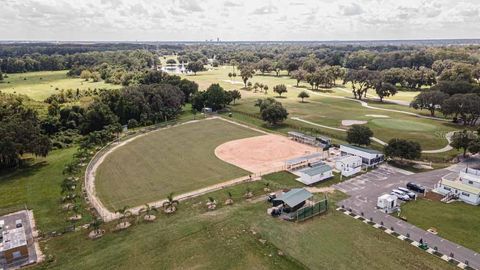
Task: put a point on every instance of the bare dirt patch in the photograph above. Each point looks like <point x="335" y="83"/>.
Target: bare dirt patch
<point x="261" y="154"/>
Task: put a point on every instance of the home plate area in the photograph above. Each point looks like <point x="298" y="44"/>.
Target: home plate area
<point x="262" y="154"/>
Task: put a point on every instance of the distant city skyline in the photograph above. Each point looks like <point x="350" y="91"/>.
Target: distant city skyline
<point x="229" y="20"/>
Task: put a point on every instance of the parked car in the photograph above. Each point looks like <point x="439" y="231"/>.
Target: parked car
<point x="408" y="192"/>
<point x="400" y="195"/>
<point x="18" y="223"/>
<point x="415" y="187"/>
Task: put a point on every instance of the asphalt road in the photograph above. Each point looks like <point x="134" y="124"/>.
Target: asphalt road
<point x="365" y="189"/>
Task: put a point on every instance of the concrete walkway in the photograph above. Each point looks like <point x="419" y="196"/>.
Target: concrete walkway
<point x="364" y="191"/>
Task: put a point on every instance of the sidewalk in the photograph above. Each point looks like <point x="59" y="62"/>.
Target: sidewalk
<point x="444" y="246"/>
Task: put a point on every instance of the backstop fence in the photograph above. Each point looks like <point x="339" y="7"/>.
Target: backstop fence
<point x="313" y="210"/>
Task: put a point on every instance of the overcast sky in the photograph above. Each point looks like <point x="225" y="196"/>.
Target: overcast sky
<point x="168" y="20"/>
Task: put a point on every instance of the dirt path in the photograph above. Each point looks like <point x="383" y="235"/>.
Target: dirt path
<point x="100" y="156"/>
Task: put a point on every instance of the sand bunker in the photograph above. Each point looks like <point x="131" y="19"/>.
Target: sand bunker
<point x="261" y="154"/>
<point x="232" y="82"/>
<point x="347" y="123"/>
<point x="377" y="115"/>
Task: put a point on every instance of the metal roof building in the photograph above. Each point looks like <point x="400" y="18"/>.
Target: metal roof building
<point x="294" y="198"/>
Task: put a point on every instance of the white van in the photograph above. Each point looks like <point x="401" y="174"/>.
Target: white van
<point x="410" y="194"/>
<point x="401" y="195"/>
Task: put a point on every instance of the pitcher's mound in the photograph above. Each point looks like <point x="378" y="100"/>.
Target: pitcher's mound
<point x="261" y="154"/>
<point x="347" y="123"/>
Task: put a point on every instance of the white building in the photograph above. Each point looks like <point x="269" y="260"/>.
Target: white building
<point x="464" y="185"/>
<point x="349" y="165"/>
<point x="314" y="173"/>
<point x="370" y="157"/>
<point x="388" y="203"/>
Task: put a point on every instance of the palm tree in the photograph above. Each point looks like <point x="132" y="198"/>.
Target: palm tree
<point x="149" y="210"/>
<point x="211" y="204"/>
<point x="124" y="213"/>
<point x="266" y="89"/>
<point x="267" y="187"/>
<point x="170" y="205"/>
<point x="67" y="185"/>
<point x="229" y="201"/>
<point x="76" y="217"/>
<point x="96" y="225"/>
<point x="230" y="75"/>
<point x="248" y="193"/>
<point x="71" y="168"/>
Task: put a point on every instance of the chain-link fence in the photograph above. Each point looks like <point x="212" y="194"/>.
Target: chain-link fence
<point x="313" y="210"/>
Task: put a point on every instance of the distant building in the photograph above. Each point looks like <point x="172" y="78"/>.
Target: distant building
<point x="314" y="173"/>
<point x="370" y="157"/>
<point x="464" y="186"/>
<point x="349" y="165"/>
<point x="13" y="245"/>
<point x="304" y="161"/>
<point x="321" y="142"/>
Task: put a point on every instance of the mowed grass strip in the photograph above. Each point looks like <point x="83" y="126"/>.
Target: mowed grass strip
<point x="179" y="159"/>
<point x="229" y="238"/>
<point x="458" y="222"/>
<point x="38" y="187"/>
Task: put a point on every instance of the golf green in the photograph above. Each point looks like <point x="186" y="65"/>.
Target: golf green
<point x="406" y="125"/>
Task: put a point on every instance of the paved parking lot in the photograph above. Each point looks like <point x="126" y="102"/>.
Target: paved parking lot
<point x="365" y="189"/>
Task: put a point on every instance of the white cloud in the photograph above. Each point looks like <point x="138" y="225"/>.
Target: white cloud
<point x="238" y="19"/>
<point x="351" y="9"/>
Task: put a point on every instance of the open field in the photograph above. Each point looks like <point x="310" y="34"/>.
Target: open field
<point x="179" y="159"/>
<point x="326" y="108"/>
<point x="196" y="239"/>
<point x="38" y="187"/>
<point x="457" y="222"/>
<point x="40" y="85"/>
<point x="331" y="111"/>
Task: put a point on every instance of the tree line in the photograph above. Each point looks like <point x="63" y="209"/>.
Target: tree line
<point x="159" y="98"/>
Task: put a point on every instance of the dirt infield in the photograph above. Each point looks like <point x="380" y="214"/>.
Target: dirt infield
<point x="261" y="154"/>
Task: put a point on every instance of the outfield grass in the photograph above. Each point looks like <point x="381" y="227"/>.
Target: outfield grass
<point x="229" y="238"/>
<point x="42" y="84"/>
<point x="38" y="187"/>
<point x="458" y="222"/>
<point x="179" y="159"/>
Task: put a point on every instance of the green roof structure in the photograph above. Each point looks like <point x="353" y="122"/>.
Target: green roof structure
<point x="294" y="197"/>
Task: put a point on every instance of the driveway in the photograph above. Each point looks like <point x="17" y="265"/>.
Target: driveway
<point x="365" y="189"/>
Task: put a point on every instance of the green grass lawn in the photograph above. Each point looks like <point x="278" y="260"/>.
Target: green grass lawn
<point x="179" y="159"/>
<point x="458" y="222"/>
<point x="330" y="111"/>
<point x="229" y="238"/>
<point x="42" y="84"/>
<point x="38" y="187"/>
